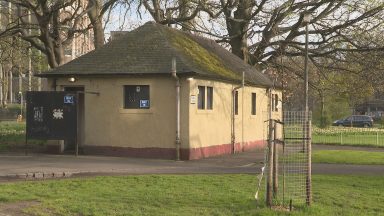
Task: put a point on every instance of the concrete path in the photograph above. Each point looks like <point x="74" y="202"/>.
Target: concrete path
<point x="53" y="166"/>
<point x="39" y="166"/>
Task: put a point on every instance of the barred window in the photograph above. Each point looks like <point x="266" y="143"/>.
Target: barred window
<point x="136" y="97"/>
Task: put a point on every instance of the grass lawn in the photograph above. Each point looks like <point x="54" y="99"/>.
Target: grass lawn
<point x="348" y="157"/>
<point x="12" y="134"/>
<point x="350" y="139"/>
<point x="189" y="195"/>
<point x="348" y="136"/>
<point x="12" y="131"/>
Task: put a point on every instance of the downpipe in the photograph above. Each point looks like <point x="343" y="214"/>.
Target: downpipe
<point x="177" y="141"/>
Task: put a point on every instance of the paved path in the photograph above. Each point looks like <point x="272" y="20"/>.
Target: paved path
<point x="43" y="166"/>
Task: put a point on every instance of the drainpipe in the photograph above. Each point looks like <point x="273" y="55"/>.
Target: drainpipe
<point x="233" y="136"/>
<point x="178" y="142"/>
<point x="269" y="92"/>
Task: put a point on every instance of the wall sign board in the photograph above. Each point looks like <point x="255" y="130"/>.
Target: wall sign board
<point x="51" y="115"/>
<point x="68" y="99"/>
<point x="144" y="103"/>
<point x="193" y="99"/>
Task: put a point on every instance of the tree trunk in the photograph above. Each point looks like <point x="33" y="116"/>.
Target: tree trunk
<point x="184" y="11"/>
<point x="1" y="85"/>
<point x="238" y="29"/>
<point x="322" y="109"/>
<point x="94" y="10"/>
<point x="5" y="89"/>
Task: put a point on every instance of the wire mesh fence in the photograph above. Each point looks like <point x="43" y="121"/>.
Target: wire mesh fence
<point x="290" y="183"/>
<point x="348" y="136"/>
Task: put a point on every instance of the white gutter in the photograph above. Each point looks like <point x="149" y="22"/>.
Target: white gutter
<point x="174" y="75"/>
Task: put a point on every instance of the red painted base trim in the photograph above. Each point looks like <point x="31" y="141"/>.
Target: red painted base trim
<point x="204" y="152"/>
<point x="170" y="153"/>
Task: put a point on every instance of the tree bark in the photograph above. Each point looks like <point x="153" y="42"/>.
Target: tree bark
<point x="94" y="13"/>
<point x="237" y="27"/>
<point x="184" y="12"/>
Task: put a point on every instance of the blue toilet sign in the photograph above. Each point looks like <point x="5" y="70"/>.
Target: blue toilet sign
<point x="144" y="103"/>
<point x="68" y="99"/>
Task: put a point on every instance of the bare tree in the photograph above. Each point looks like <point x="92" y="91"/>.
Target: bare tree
<point x="169" y="12"/>
<point x="259" y="31"/>
<point x="268" y="29"/>
<point x="51" y="26"/>
<point x="12" y="62"/>
<point x="96" y="9"/>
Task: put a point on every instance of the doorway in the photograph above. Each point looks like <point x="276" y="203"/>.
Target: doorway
<point x="70" y="145"/>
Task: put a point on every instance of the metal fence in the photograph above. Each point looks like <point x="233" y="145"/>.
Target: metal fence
<point x="348" y="136"/>
<point x="289" y="178"/>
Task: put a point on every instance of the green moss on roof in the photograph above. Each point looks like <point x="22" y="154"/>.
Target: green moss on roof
<point x="207" y="61"/>
<point x="149" y="50"/>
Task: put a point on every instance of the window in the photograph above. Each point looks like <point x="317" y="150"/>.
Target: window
<point x="276" y="102"/>
<point x="236" y="102"/>
<point x="201" y="97"/>
<point x="253" y="108"/>
<point x="205" y="101"/>
<point x="209" y="98"/>
<point x="136" y="97"/>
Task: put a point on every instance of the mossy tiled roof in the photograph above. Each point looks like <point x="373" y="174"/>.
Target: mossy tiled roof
<point x="150" y="48"/>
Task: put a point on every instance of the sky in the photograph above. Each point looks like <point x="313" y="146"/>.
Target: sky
<point x="122" y="19"/>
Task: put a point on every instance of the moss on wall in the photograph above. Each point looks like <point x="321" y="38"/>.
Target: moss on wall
<point x="207" y="61"/>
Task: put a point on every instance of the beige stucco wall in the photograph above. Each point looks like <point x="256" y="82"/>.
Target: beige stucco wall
<point x="108" y="124"/>
<point x="213" y="127"/>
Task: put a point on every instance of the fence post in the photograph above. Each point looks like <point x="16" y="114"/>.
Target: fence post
<point x="270" y="164"/>
<point x="341" y="137"/>
<point x="309" y="168"/>
<point x="377" y="138"/>
<point x="275" y="161"/>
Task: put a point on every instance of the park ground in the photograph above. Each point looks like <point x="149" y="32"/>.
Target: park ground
<point x="223" y="185"/>
<point x="208" y="194"/>
<point x="347" y="180"/>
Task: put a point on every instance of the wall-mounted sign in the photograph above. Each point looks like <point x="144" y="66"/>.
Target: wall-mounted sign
<point x="51" y="117"/>
<point x="144" y="103"/>
<point x="38" y="113"/>
<point x="58" y="114"/>
<point x="193" y="99"/>
<point x="68" y="99"/>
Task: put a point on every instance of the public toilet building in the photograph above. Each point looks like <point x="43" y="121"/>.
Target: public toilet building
<point x="129" y="105"/>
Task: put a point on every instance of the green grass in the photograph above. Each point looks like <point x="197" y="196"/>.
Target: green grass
<point x="12" y="134"/>
<point x="189" y="195"/>
<point x="350" y="139"/>
<point x="12" y="131"/>
<point x="348" y="157"/>
<point x="373" y="137"/>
